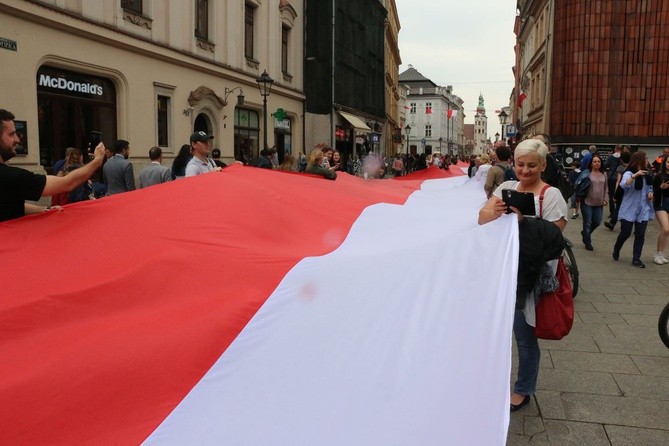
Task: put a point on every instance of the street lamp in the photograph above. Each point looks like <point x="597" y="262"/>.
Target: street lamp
<point x="441" y="148"/>
<point x="265" y="85"/>
<point x="407" y="130"/>
<point x="496" y="136"/>
<point x="502" y="120"/>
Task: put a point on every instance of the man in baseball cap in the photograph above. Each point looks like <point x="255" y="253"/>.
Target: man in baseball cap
<point x="200" y="147"/>
<point x="200" y="136"/>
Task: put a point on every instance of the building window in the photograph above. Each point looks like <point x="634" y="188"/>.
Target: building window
<point x="132" y="6"/>
<point x="428" y="131"/>
<point x="249" y="13"/>
<point x="202" y="19"/>
<point x="163" y="94"/>
<point x="428" y="108"/>
<point x="284" y="49"/>
<point x="412" y="108"/>
<point x="162" y="113"/>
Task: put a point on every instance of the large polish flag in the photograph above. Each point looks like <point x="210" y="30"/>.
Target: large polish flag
<point x="253" y="307"/>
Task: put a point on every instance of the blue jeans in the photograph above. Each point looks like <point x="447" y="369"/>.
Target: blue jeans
<point x="528" y="355"/>
<point x="639" y="237"/>
<point x="592" y="218"/>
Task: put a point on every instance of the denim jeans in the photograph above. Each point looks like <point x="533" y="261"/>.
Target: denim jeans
<point x="528" y="355"/>
<point x="592" y="218"/>
<point x="639" y="237"/>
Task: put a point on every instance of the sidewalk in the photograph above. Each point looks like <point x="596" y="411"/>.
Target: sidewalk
<point x="607" y="383"/>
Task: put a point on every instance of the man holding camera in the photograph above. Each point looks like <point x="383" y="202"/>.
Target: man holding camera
<point x="18" y="185"/>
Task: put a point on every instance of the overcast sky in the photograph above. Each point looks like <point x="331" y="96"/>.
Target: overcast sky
<point x="467" y="44"/>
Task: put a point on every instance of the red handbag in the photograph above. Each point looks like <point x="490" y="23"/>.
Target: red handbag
<point x="555" y="310"/>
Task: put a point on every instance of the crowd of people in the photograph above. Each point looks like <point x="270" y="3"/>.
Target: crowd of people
<point x="635" y="190"/>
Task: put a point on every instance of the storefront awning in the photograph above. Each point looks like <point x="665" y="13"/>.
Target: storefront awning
<point x="355" y="122"/>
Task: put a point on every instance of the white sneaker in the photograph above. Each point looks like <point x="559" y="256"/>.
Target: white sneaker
<point x="658" y="258"/>
<point x="664" y="259"/>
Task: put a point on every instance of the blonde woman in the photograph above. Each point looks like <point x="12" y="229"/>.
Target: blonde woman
<point x="288" y="161"/>
<point x="530" y="162"/>
<point x="484" y="167"/>
<point x="314" y="165"/>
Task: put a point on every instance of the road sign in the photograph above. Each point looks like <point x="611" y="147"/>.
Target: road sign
<point x="510" y="130"/>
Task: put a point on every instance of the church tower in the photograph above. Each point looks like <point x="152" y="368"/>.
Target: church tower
<point x="480" y="128"/>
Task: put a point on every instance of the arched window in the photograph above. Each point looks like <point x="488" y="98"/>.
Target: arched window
<point x="202" y="123"/>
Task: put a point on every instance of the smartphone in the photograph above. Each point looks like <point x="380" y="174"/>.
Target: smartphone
<point x="94" y="140"/>
<point x="523" y="201"/>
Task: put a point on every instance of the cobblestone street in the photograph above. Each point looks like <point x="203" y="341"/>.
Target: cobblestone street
<point x="607" y="383"/>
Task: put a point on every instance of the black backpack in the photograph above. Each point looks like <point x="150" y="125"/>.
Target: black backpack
<point x="612" y="164"/>
<point x="510" y="174"/>
<point x="556" y="176"/>
<point x="551" y="174"/>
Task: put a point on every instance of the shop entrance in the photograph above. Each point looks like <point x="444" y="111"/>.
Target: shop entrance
<point x="70" y="106"/>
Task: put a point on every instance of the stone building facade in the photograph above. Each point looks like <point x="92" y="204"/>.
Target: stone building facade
<point x="151" y="72"/>
<point x="593" y="73"/>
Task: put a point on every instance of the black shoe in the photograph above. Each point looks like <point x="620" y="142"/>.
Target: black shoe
<point x="589" y="247"/>
<point x="615" y="255"/>
<point x="608" y="225"/>
<point x="515" y="407"/>
<point x="638" y="264"/>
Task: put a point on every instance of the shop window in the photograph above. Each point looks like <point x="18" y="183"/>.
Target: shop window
<point x="249" y="16"/>
<point x="132" y="6"/>
<point x="202" y="19"/>
<point x="247" y="135"/>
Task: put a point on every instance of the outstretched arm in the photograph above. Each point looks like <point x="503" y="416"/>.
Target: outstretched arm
<point x="58" y="185"/>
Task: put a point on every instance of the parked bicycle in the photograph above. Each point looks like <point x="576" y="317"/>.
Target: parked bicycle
<point x="663" y="325"/>
<point x="570" y="262"/>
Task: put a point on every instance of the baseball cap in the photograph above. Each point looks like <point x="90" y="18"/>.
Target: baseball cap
<point x="200" y="136"/>
<point x="216" y="153"/>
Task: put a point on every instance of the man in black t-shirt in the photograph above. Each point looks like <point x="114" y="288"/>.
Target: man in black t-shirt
<point x="18" y="185"/>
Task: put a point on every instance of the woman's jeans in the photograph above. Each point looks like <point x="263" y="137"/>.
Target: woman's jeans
<point x="639" y="237"/>
<point x="592" y="218"/>
<point x="528" y="355"/>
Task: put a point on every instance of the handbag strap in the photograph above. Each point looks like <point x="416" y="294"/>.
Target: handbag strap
<point x="541" y="201"/>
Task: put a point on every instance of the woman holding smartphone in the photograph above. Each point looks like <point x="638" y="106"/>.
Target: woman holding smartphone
<point x="530" y="162"/>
